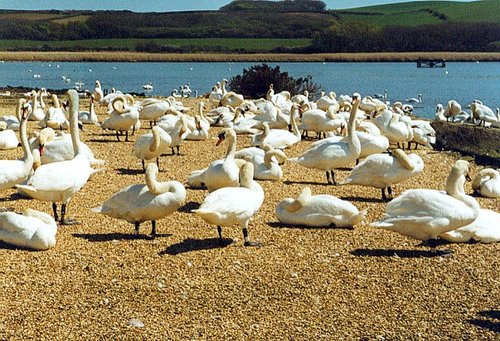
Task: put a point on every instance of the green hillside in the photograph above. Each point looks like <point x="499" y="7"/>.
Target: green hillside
<point x="262" y="26"/>
<point x="425" y="12"/>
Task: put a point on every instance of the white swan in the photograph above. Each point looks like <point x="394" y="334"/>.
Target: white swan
<point x="152" y="109"/>
<point x="485" y="229"/>
<point x="55" y="117"/>
<point x="37" y="110"/>
<point x="151" y="145"/>
<point x="8" y="137"/>
<point x="483" y="114"/>
<point x="13" y="172"/>
<point x="220" y="173"/>
<point x="370" y="144"/>
<point x="178" y="133"/>
<point x="267" y="167"/>
<point x="90" y="116"/>
<point x="145" y="202"/>
<point x="98" y="94"/>
<point x="325" y="102"/>
<point x="384" y="170"/>
<point x="57" y="148"/>
<point x="11" y="121"/>
<point x="318" y="211"/>
<point x="123" y="117"/>
<point x="232" y="99"/>
<point x="59" y="181"/>
<point x="487" y="183"/>
<point x="453" y="109"/>
<point x="200" y="125"/>
<point x="424" y="214"/>
<point x="331" y="155"/>
<point x="278" y="138"/>
<point x="234" y="205"/>
<point x="399" y="130"/>
<point x="415" y="100"/>
<point x="320" y="121"/>
<point x="33" y="229"/>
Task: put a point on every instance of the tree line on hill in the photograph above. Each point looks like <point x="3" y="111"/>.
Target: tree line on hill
<point x="327" y="33"/>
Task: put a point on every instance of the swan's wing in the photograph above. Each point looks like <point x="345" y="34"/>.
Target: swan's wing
<point x="123" y="201"/>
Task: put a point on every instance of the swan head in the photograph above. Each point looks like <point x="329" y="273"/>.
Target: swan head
<point x="46" y="135"/>
<point x="22" y="109"/>
<point x="224" y="134"/>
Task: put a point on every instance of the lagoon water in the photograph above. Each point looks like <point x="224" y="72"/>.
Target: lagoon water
<point x="461" y="81"/>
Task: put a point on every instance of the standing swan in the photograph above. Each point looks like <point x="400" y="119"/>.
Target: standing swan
<point x="332" y="155"/>
<point x="13" y="172"/>
<point x="139" y="203"/>
<point x="318" y="211"/>
<point x="59" y="181"/>
<point x="424" y="214"/>
<point x="384" y="170"/>
<point x="33" y="229"/>
<point x="234" y="205"/>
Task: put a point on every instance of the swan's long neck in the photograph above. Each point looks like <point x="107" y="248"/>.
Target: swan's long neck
<point x="231" y="149"/>
<point x="35" y="100"/>
<point x="92" y="113"/>
<point x="278" y="154"/>
<point x="73" y="121"/>
<point x="42" y="103"/>
<point x="295" y="129"/>
<point x="23" y="133"/>
<point x="485" y="173"/>
<point x="155" y="143"/>
<point x="403" y="159"/>
<point x="154" y="186"/>
<point x="55" y="99"/>
<point x="455" y="188"/>
<point x="354" y="143"/>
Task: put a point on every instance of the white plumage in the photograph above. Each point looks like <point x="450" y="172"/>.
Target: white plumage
<point x="318" y="211"/>
<point x="145" y="202"/>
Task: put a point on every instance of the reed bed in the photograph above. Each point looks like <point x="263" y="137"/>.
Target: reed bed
<point x="99" y="282"/>
<point x="257" y="57"/>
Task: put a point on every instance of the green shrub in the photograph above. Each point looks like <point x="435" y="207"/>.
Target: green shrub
<point x="255" y="81"/>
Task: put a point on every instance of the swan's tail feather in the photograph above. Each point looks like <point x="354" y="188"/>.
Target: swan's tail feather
<point x="98" y="209"/>
<point x="97" y="162"/>
<point x="27" y="190"/>
<point x="293" y="159"/>
<point x="381" y="224"/>
<point x="210" y="217"/>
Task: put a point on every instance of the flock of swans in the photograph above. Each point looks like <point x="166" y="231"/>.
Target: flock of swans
<point x="358" y="131"/>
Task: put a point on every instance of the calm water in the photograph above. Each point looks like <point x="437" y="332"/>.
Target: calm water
<point x="460" y="81"/>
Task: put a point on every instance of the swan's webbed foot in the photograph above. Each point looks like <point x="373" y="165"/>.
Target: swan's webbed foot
<point x="247" y="239"/>
<point x="252" y="244"/>
<point x="69" y="221"/>
<point x="433" y="243"/>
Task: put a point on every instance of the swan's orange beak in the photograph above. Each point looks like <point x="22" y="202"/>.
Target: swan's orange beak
<point x="42" y="150"/>
<point x="221" y="138"/>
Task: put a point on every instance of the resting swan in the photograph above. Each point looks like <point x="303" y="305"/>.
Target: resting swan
<point x="13" y="172"/>
<point x="139" y="203"/>
<point x="57" y="148"/>
<point x="487" y="183"/>
<point x="331" y="155"/>
<point x="59" y="181"/>
<point x="485" y="229"/>
<point x="267" y="167"/>
<point x="234" y="205"/>
<point x="384" y="170"/>
<point x="425" y="214"/>
<point x="151" y="145"/>
<point x="318" y="211"/>
<point x="33" y="229"/>
<point x="220" y="173"/>
<point x="89" y="117"/>
<point x="278" y="138"/>
<point x="37" y="113"/>
<point x="8" y="138"/>
<point x="152" y="109"/>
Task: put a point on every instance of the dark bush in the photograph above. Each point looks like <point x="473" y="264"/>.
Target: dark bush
<point x="255" y="81"/>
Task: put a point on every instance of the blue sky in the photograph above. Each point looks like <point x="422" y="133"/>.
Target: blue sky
<point x="158" y="5"/>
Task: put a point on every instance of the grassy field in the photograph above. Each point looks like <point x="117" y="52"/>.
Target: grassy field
<point x="249" y="57"/>
<point x="261" y="44"/>
<point x="414" y="13"/>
